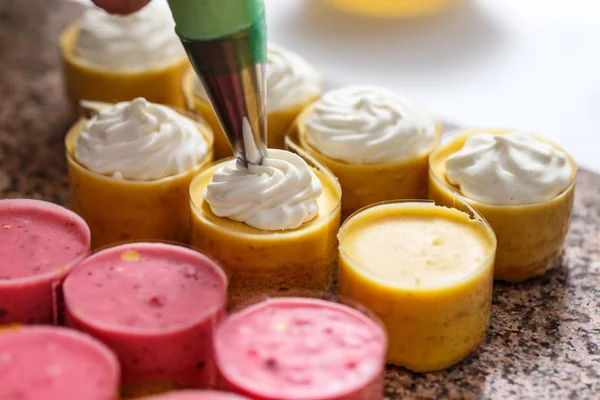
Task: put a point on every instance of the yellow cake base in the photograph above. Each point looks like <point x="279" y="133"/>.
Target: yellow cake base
<point x="119" y="210"/>
<point x="392" y="8"/>
<point x="363" y="185"/>
<point x="135" y="391"/>
<point x="269" y="262"/>
<point x="530" y="237"/>
<point x="85" y="82"/>
<point x="431" y="325"/>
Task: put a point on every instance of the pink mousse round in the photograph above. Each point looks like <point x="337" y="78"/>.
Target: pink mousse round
<point x="302" y="349"/>
<point x="53" y="363"/>
<point x="156" y="305"/>
<point x="40" y="243"/>
<point x="196" y="395"/>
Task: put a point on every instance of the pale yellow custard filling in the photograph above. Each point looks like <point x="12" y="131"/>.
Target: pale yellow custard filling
<point x="420" y="250"/>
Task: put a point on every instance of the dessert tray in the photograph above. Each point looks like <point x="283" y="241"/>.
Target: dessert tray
<point x="544" y="334"/>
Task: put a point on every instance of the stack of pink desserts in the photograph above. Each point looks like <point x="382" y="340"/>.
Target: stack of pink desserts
<point x="151" y="317"/>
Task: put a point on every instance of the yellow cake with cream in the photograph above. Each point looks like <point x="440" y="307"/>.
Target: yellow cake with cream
<point x="375" y="142"/>
<point x="113" y="58"/>
<point x="522" y="185"/>
<point x="130" y="167"/>
<point x="272" y="227"/>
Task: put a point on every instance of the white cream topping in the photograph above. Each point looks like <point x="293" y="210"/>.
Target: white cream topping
<point x="369" y="125"/>
<point x="511" y="168"/>
<point x="138" y="41"/>
<point x="279" y="194"/>
<point x="291" y="81"/>
<point x="139" y="140"/>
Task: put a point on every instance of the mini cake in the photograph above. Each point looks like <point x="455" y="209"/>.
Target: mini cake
<point x="52" y="363"/>
<point x="130" y="167"/>
<point x="312" y="348"/>
<point x="522" y="185"/>
<point x="156" y="306"/>
<point x="39" y="244"/>
<point x="196" y="395"/>
<point x="291" y="85"/>
<point x="427" y="272"/>
<point x="116" y="58"/>
<point x="271" y="227"/>
<point x="375" y="142"/>
<point x="392" y="8"/>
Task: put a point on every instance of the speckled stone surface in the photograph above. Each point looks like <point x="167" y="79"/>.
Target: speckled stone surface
<point x="544" y="336"/>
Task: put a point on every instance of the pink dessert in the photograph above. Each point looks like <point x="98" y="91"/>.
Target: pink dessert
<point x="40" y="243"/>
<point x="155" y="305"/>
<point x="52" y="363"/>
<point x="303" y="349"/>
<point x="196" y="395"/>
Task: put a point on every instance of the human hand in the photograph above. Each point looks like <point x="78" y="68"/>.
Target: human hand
<point x="121" y="6"/>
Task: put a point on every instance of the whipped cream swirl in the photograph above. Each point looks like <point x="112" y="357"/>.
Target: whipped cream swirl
<point x="279" y="194"/>
<point x="291" y="81"/>
<point x="369" y="125"/>
<point x="139" y="41"/>
<point x="511" y="168"/>
<point x="139" y="140"/>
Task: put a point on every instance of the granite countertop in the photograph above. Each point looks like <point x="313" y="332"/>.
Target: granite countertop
<point x="544" y="335"/>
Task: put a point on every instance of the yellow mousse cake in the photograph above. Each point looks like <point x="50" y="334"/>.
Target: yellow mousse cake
<point x="427" y="272"/>
<point x="130" y="167"/>
<point x="522" y="185"/>
<point x="374" y="141"/>
<point x="292" y="84"/>
<point x="114" y="58"/>
<point x="392" y="8"/>
<point x="272" y="227"/>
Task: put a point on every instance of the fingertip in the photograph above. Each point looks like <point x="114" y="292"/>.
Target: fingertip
<point x="122" y="7"/>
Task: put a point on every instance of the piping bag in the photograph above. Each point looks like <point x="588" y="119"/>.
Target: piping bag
<point x="225" y="41"/>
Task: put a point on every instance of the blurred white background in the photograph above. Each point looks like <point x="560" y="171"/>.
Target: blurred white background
<point x="531" y="65"/>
